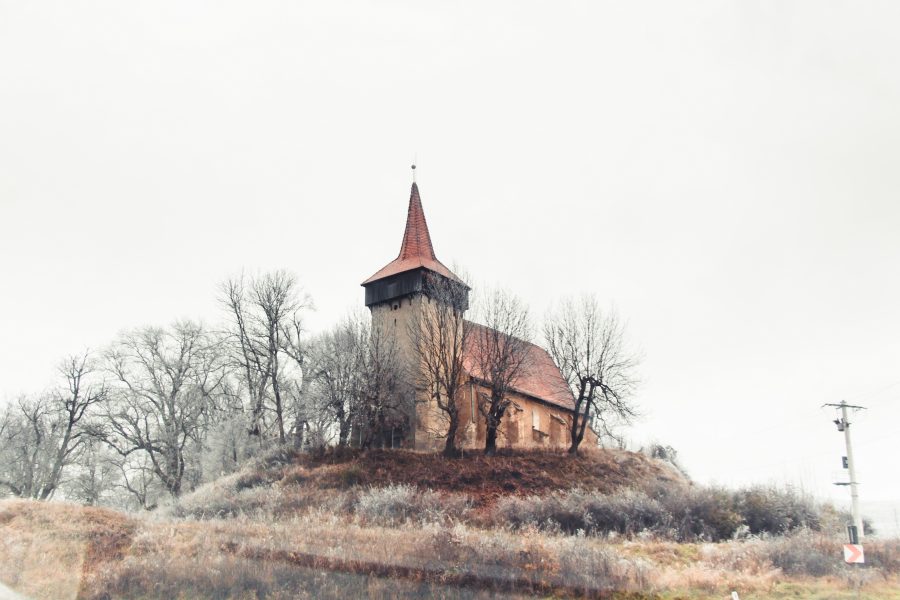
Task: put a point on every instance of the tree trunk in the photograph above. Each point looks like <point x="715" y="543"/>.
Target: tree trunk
<point x="279" y="410"/>
<point x="492" y="421"/>
<point x="344" y="432"/>
<point x="490" y="441"/>
<point x="299" y="434"/>
<point x="450" y="450"/>
<point x="579" y="424"/>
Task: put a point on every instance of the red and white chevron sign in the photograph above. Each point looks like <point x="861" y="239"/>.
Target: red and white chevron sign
<point x="853" y="554"/>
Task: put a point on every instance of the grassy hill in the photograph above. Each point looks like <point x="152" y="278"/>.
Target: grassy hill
<point x="391" y="524"/>
<point x="303" y="479"/>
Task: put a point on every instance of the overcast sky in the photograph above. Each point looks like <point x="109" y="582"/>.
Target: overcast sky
<point x="725" y="173"/>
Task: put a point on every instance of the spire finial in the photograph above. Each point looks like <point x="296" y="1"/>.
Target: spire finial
<point x="414" y="172"/>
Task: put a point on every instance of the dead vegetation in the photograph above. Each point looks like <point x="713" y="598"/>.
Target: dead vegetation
<point x="484" y="479"/>
<point x="350" y="524"/>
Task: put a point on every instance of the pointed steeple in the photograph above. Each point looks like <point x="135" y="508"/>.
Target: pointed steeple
<point x="416" y="239"/>
<point x="416" y="250"/>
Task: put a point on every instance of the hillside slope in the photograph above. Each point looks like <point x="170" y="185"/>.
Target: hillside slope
<point x="298" y="477"/>
<point x="396" y="524"/>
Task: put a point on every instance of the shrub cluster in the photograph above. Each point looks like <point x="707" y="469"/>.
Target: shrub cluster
<point x="397" y="504"/>
<point x="679" y="513"/>
<point x="805" y="554"/>
<point x="769" y="510"/>
<point x="628" y="512"/>
<point x="227" y="497"/>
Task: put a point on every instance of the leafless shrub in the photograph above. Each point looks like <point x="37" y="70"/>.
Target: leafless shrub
<point x="396" y="504"/>
<point x="700" y="513"/>
<point x="884" y="554"/>
<point x="679" y="513"/>
<point x="225" y="498"/>
<point x="591" y="567"/>
<point x="628" y="512"/>
<point x="766" y="509"/>
<point x="805" y="554"/>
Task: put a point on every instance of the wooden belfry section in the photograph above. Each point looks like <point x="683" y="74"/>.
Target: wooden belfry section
<point x="541" y="411"/>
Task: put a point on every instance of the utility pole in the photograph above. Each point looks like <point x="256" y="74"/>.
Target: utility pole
<point x="843" y="424"/>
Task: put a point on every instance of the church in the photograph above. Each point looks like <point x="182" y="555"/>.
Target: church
<point x="541" y="409"/>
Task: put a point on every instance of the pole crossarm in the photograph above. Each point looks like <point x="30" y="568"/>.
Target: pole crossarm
<point x="842" y="404"/>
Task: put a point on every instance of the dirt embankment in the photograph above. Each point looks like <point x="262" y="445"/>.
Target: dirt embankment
<point x="484" y="479"/>
<point x="55" y="550"/>
<point x="58" y="550"/>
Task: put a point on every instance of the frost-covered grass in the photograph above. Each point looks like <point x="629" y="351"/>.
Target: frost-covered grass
<point x="397" y="504"/>
<point x="680" y="513"/>
<point x="322" y="554"/>
<point x="285" y="527"/>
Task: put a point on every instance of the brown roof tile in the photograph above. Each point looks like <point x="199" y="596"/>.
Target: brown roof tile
<point x="416" y="250"/>
<point x="540" y="379"/>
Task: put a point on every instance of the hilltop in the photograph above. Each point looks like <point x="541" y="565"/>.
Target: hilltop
<point x="482" y="480"/>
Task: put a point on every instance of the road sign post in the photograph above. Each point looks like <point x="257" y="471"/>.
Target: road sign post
<point x="853" y="554"/>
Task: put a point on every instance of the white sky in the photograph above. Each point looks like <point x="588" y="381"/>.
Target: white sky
<point x="725" y="173"/>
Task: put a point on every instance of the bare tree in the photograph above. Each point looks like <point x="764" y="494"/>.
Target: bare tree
<point x="47" y="433"/>
<point x="439" y="335"/>
<point x="335" y="365"/>
<point x="23" y="446"/>
<point x="72" y="403"/>
<point x="500" y="356"/>
<point x="138" y="481"/>
<point x="383" y="396"/>
<point x="358" y="379"/>
<point x="167" y="382"/>
<point x="96" y="474"/>
<point x="11" y="432"/>
<point x="266" y="328"/>
<point x="293" y="384"/>
<point x="589" y="348"/>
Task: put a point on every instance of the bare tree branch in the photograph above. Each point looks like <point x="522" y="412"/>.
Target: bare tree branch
<point x="589" y="348"/>
<point x="500" y="354"/>
<point x="439" y="335"/>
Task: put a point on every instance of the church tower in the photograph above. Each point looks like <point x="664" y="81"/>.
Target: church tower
<point x="398" y="293"/>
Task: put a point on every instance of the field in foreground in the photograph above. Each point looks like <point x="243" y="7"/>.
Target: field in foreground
<point x="307" y="533"/>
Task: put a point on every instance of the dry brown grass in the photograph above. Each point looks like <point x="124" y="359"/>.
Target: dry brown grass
<point x="484" y="479"/>
<point x="55" y="550"/>
<point x="64" y="551"/>
<point x="401" y="524"/>
<point x="288" y="483"/>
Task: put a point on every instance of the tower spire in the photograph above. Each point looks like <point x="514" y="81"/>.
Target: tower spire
<point x="416" y="250"/>
<point x="416" y="238"/>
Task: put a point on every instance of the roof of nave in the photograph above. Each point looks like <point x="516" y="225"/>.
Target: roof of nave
<point x="540" y="377"/>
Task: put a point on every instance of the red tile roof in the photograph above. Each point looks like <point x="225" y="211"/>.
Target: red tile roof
<point x="416" y="250"/>
<point x="540" y="379"/>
